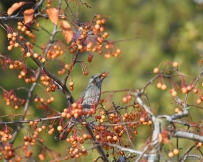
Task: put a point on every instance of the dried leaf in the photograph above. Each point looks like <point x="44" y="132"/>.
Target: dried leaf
<point x="67" y="31"/>
<point x="28" y="15"/>
<point x="14" y="7"/>
<point x="53" y="15"/>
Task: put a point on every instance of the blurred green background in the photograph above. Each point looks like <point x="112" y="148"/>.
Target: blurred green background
<point x="162" y="30"/>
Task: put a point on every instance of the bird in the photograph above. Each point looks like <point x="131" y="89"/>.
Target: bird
<point x="89" y="98"/>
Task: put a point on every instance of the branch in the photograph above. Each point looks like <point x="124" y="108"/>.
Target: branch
<point x="126" y="129"/>
<point x="97" y="145"/>
<point x="188" y="135"/>
<point x="27" y="103"/>
<point x="27" y="121"/>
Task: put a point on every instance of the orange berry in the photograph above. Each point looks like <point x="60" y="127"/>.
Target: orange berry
<point x="115" y="138"/>
<point x="74" y="105"/>
<point x="176" y="151"/>
<point x="158" y="85"/>
<point x="156" y="70"/>
<point x="35" y="55"/>
<point x="28" y="54"/>
<point x="71" y="84"/>
<point x="86" y="73"/>
<point x="142" y="119"/>
<point x="16" y="45"/>
<point x="59" y="128"/>
<point x="129" y="97"/>
<point x="44" y="127"/>
<point x="189" y="88"/>
<point x="63" y="114"/>
<point x="97" y="136"/>
<point x="9" y="35"/>
<point x="97" y="26"/>
<point x="39" y="129"/>
<point x="184" y="90"/>
<point x="11" y="66"/>
<point x="43" y="60"/>
<point x="163" y="87"/>
<point x="199" y="144"/>
<point x="195" y="90"/>
<point x="124" y="99"/>
<point x="175" y="64"/>
<point x="9" y="48"/>
<point x="199" y="101"/>
<point x="66" y="66"/>
<point x="170" y="154"/>
<point x="174" y="93"/>
<point x="177" y="109"/>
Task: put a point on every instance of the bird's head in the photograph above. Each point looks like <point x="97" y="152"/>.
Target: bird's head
<point x="97" y="79"/>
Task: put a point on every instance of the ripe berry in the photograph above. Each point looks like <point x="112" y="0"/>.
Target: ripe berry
<point x="199" y="101"/>
<point x="90" y="57"/>
<point x="85" y="73"/>
<point x="175" y="64"/>
<point x="184" y="90"/>
<point x="9" y="35"/>
<point x="170" y="154"/>
<point x="71" y="84"/>
<point x="124" y="99"/>
<point x="9" y="48"/>
<point x="163" y="87"/>
<point x="195" y="90"/>
<point x="177" y="109"/>
<point x="159" y="85"/>
<point x="59" y="128"/>
<point x="156" y="70"/>
<point x="174" y="93"/>
<point x="176" y="151"/>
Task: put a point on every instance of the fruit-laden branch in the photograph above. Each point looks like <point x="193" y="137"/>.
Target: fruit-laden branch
<point x="27" y="103"/>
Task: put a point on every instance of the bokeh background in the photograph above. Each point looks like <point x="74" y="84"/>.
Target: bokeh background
<point x="161" y="30"/>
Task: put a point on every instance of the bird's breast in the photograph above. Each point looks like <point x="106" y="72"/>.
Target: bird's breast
<point x="92" y="97"/>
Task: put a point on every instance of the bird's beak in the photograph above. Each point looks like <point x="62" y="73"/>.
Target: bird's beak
<point x="104" y="75"/>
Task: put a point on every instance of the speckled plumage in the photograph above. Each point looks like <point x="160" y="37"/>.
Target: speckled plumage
<point x="90" y="97"/>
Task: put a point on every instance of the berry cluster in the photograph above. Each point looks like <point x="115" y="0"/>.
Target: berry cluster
<point x="7" y="151"/>
<point x="23" y="28"/>
<point x="5" y="135"/>
<point x="103" y="135"/>
<point x="55" y="51"/>
<point x="184" y="88"/>
<point x="44" y="102"/>
<point x="11" y="99"/>
<point x="127" y="98"/>
<point x="91" y="36"/>
<point x="76" y="110"/>
<point x="76" y="150"/>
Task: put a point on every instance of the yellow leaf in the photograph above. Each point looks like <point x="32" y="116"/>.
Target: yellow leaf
<point x="28" y="15"/>
<point x="67" y="31"/>
<point x="14" y="7"/>
<point x="53" y="15"/>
